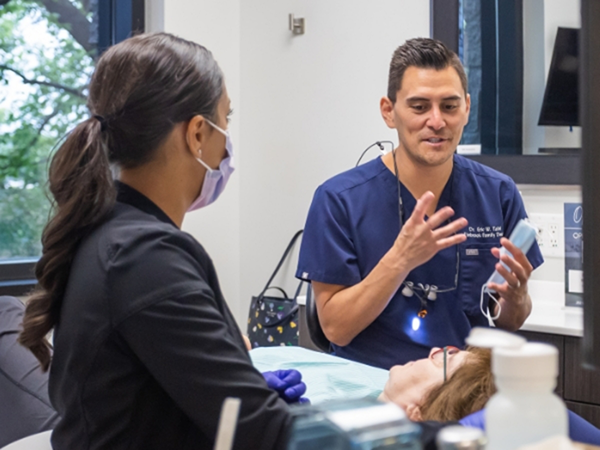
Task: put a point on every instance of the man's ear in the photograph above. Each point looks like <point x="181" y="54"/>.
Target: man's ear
<point x="387" y="111"/>
<point x="196" y="133"/>
<point x="414" y="413"/>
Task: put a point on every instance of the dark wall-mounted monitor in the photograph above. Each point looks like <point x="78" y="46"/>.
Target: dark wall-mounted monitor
<point x="561" y="98"/>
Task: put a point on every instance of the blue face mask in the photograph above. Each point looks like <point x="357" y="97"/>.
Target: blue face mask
<point x="215" y="179"/>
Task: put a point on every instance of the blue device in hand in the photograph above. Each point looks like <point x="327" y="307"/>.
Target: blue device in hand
<point x="523" y="237"/>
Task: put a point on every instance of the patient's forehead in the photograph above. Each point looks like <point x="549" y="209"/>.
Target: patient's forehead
<point x="464" y="357"/>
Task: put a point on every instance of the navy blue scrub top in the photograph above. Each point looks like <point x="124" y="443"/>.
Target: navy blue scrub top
<point x="353" y="221"/>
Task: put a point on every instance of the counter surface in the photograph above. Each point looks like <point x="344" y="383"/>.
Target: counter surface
<point x="549" y="315"/>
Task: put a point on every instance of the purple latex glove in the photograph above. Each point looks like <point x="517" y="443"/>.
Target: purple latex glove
<point x="476" y="420"/>
<point x="288" y="384"/>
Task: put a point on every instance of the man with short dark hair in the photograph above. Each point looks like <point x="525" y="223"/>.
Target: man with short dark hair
<point x="398" y="250"/>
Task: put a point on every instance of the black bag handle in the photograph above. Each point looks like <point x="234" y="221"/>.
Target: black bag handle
<point x="285" y="254"/>
<point x="285" y="296"/>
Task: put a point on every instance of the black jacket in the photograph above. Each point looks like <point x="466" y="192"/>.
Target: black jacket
<point x="146" y="349"/>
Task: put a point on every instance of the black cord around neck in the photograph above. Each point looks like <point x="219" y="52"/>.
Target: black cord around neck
<point x="378" y="144"/>
<point x="400" y="205"/>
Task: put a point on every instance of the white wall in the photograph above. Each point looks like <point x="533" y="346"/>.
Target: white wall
<point x="541" y="20"/>
<point x="534" y="75"/>
<point x="216" y="25"/>
<point x="560" y="13"/>
<point x="305" y="108"/>
<point x="311" y="106"/>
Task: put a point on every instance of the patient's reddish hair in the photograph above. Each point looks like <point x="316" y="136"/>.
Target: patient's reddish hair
<point x="466" y="391"/>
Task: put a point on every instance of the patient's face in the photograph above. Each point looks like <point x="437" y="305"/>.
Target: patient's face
<point x="409" y="384"/>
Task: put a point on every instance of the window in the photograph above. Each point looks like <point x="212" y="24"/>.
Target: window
<point x="488" y="37"/>
<point x="47" y="54"/>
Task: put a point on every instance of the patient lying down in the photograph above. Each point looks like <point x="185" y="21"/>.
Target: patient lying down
<point x="418" y="387"/>
<point x="426" y="392"/>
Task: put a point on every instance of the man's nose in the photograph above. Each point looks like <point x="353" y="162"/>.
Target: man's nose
<point x="436" y="119"/>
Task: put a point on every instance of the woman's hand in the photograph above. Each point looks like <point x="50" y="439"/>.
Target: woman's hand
<point x="288" y="384"/>
<point x="247" y="342"/>
<point x="476" y="420"/>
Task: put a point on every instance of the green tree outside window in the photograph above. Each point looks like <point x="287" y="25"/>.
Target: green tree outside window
<point x="47" y="51"/>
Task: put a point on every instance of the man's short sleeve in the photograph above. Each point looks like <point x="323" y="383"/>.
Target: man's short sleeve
<point x="328" y="254"/>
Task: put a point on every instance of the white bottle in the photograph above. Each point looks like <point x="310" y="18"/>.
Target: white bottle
<point x="524" y="409"/>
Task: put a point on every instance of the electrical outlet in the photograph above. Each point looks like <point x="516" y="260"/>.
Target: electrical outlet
<point x="551" y="234"/>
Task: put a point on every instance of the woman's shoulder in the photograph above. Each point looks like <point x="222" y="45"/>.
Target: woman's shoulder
<point x="134" y="244"/>
<point x="130" y="228"/>
<point x="133" y="262"/>
<point x="145" y="256"/>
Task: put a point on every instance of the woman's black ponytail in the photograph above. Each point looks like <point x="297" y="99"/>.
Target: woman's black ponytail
<point x="80" y="182"/>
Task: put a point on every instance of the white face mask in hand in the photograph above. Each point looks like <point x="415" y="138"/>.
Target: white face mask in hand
<point x="215" y="179"/>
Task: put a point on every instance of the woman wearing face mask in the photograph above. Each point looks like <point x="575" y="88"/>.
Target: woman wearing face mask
<point x="145" y="347"/>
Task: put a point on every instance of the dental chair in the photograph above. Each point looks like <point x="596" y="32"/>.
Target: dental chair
<point x="25" y="407"/>
<point x="315" y="331"/>
<point x="39" y="441"/>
